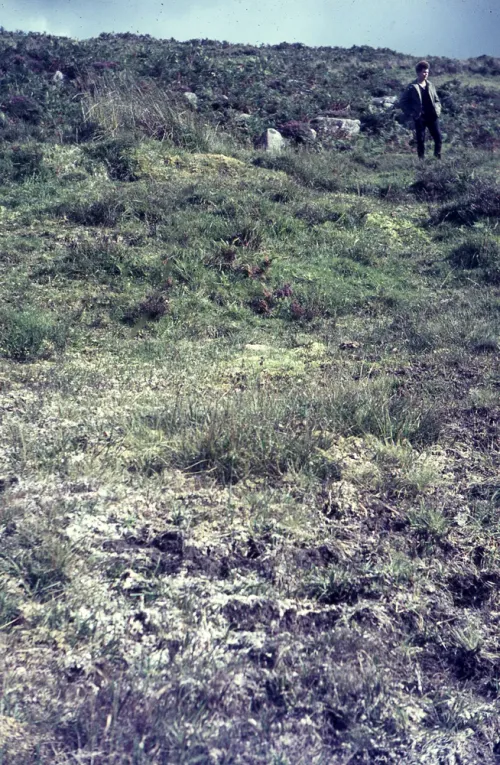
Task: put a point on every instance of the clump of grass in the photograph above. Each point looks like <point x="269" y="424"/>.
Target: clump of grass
<point x="252" y="434"/>
<point x="342" y="584"/>
<point x="106" y="211"/>
<point x="119" y="104"/>
<point x="430" y="526"/>
<point x="30" y="334"/>
<point x="319" y="210"/>
<point x="269" y="433"/>
<point x="9" y="611"/>
<point x="313" y="170"/>
<point x="101" y="258"/>
<point x="43" y="566"/>
<point x="149" y="203"/>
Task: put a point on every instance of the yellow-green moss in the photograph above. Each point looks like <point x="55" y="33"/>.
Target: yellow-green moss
<point x="396" y="230"/>
<point x="277" y="362"/>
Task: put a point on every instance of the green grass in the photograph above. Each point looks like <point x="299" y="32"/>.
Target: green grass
<point x="30" y="334"/>
<point x="249" y="448"/>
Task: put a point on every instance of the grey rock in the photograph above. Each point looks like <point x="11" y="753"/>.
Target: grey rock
<point x="272" y="141"/>
<point x="58" y="77"/>
<point x="384" y="102"/>
<point x="192" y="99"/>
<point x="241" y="118"/>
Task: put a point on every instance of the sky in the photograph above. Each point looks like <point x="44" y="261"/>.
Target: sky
<point x="454" y="28"/>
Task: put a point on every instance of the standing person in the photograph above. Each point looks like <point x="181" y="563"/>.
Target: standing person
<point x="421" y="102"/>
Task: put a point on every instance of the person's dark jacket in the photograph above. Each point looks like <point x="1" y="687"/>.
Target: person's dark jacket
<point x="411" y="100"/>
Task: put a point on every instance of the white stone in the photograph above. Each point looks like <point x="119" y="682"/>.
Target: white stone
<point x="192" y="99"/>
<point x="272" y="140"/>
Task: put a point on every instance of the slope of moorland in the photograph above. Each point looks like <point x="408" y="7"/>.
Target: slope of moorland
<point x="249" y="411"/>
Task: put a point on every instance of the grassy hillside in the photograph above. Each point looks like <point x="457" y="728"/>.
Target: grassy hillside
<point x="249" y="412"/>
<point x="269" y="85"/>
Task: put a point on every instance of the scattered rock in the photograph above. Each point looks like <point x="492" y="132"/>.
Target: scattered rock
<point x="335" y="125"/>
<point x="58" y="77"/>
<point x="384" y="102"/>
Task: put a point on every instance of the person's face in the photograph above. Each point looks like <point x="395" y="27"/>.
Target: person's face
<point x="423" y="75"/>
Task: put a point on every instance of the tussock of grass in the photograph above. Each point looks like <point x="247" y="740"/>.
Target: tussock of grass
<point x="124" y="106"/>
<point x="263" y="433"/>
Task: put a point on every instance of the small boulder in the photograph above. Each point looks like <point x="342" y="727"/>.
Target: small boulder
<point x="192" y="99"/>
<point x="58" y="77"/>
<point x="241" y="118"/>
<point x="272" y="141"/>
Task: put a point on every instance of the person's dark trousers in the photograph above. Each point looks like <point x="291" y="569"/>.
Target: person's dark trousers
<point x="433" y="126"/>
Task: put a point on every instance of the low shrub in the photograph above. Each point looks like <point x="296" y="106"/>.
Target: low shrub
<point x="18" y="163"/>
<point x="378" y="123"/>
<point x="478" y="252"/>
<point x="441" y="181"/>
<point x="24" y="108"/>
<point x="116" y="154"/>
<point x="482" y="200"/>
<point x="299" y="133"/>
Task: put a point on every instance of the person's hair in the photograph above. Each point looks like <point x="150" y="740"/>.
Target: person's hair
<point x="421" y="66"/>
